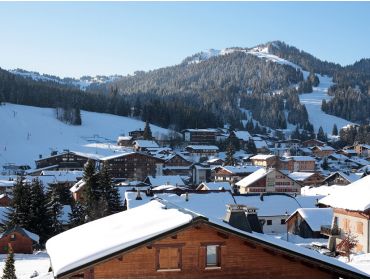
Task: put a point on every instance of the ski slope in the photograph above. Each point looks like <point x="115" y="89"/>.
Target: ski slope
<point x="313" y="105"/>
<point x="26" y="132"/>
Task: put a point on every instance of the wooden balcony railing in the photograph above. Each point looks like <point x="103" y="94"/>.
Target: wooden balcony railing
<point x="330" y="231"/>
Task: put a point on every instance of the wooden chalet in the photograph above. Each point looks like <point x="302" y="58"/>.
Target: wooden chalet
<point x="64" y="161"/>
<point x="307" y="178"/>
<point x="171" y="242"/>
<point x="297" y="163"/>
<point x="312" y="143"/>
<point x="21" y="241"/>
<point x="177" y="164"/>
<point x="322" y="151"/>
<point x="125" y="141"/>
<point x="264" y="160"/>
<point x="362" y="150"/>
<point x="200" y="136"/>
<point x="307" y="222"/>
<point x="5" y="200"/>
<point x="351" y="213"/>
<point x="144" y="145"/>
<point x="134" y="165"/>
<point x="233" y="174"/>
<point x="268" y="181"/>
<point x="202" y="150"/>
<point x="340" y="178"/>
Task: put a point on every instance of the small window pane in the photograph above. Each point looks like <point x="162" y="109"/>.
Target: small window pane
<point x="212" y="255"/>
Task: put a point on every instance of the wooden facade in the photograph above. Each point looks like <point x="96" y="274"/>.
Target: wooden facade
<point x="200" y="136"/>
<point x="19" y="242"/>
<point x="134" y="166"/>
<point x="205" y="250"/>
<point x="296" y="224"/>
<point x="64" y="161"/>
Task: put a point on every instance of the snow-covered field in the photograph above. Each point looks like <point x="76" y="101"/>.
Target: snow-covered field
<point x="313" y="105"/>
<point x="26" y="132"/>
<point x="26" y="265"/>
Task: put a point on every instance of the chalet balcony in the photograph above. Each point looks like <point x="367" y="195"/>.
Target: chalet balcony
<point x="330" y="231"/>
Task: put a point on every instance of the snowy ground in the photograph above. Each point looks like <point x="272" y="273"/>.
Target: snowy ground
<point x="313" y="105"/>
<point x="26" y="265"/>
<point x="28" y="131"/>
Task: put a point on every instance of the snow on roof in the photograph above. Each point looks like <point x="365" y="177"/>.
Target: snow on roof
<point x="123" y="138"/>
<point x="201" y="130"/>
<point x="262" y="157"/>
<point x="32" y="235"/>
<point x="260" y="173"/>
<point x="63" y="176"/>
<point x="321" y="190"/>
<point x="325" y="148"/>
<point x="301" y="158"/>
<point x="146" y="144"/>
<point x="215" y="185"/>
<point x="351" y="177"/>
<point x="111" y="234"/>
<point x="168" y="188"/>
<point x="165" y="180"/>
<point x="354" y="196"/>
<point x="338" y="156"/>
<point x="76" y="187"/>
<point x="359" y="161"/>
<point x="316" y="217"/>
<point x="241" y="169"/>
<point x="6" y="183"/>
<point x="117" y="156"/>
<point x="260" y="144"/>
<point x="202" y="147"/>
<point x="3" y="214"/>
<point x="243" y="135"/>
<point x="300" y="176"/>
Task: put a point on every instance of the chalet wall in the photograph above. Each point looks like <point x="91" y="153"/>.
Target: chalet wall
<point x="21" y="244"/>
<point x="239" y="259"/>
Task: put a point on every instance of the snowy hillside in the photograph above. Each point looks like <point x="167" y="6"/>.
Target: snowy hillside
<point x="81" y="83"/>
<point x="27" y="132"/>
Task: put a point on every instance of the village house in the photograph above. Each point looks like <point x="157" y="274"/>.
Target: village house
<point x="264" y="160"/>
<point x="307" y="178"/>
<point x="214" y="186"/>
<point x="21" y="241"/>
<point x="144" y="145"/>
<point x="233" y="174"/>
<point x="200" y="136"/>
<point x="159" y="240"/>
<point x="133" y="165"/>
<point x="351" y="207"/>
<point x="362" y="150"/>
<point x="200" y="151"/>
<point x="312" y="143"/>
<point x="125" y="141"/>
<point x="5" y="200"/>
<point x="340" y="178"/>
<point x="156" y="181"/>
<point x="297" y="163"/>
<point x="307" y="222"/>
<point x="322" y="151"/>
<point x="243" y="137"/>
<point x="268" y="181"/>
<point x="200" y="173"/>
<point x="176" y="164"/>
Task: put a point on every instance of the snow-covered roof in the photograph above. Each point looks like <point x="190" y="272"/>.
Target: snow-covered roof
<point x="301" y="158"/>
<point x="168" y="188"/>
<point x="202" y="147"/>
<point x="243" y="135"/>
<point x="63" y="176"/>
<point x="117" y="156"/>
<point x="260" y="173"/>
<point x="146" y="144"/>
<point x="215" y="186"/>
<point x="300" y="176"/>
<point x="325" y="148"/>
<point x="316" y="217"/>
<point x="241" y="169"/>
<point x="76" y="187"/>
<point x="353" y="197"/>
<point x="124" y="138"/>
<point x="260" y="144"/>
<point x="6" y="183"/>
<point x="201" y="130"/>
<point x="262" y="157"/>
<point x="165" y="180"/>
<point x="338" y="156"/>
<point x="31" y="235"/>
<point x="351" y="177"/>
<point x="111" y="234"/>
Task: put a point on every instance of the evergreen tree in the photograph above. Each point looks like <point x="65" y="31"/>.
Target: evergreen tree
<point x="19" y="211"/>
<point x="40" y="219"/>
<point x="230" y="155"/>
<point x="321" y="135"/>
<point x="55" y="209"/>
<point x="296" y="134"/>
<point x="77" y="117"/>
<point x="335" y="130"/>
<point x="251" y="147"/>
<point x="78" y="214"/>
<point x="9" y="268"/>
<point x="325" y="164"/>
<point x="249" y="126"/>
<point x="147" y="135"/>
<point x="233" y="140"/>
<point x="91" y="189"/>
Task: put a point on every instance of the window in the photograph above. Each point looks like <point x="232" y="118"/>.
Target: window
<point x="282" y="221"/>
<point x="359" y="228"/>
<point x="168" y="258"/>
<point x="269" y="222"/>
<point x="12" y="237"/>
<point x="213" y="256"/>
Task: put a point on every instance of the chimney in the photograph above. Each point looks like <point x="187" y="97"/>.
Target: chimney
<point x="138" y="196"/>
<point x="261" y="196"/>
<point x="243" y="218"/>
<point x="186" y="196"/>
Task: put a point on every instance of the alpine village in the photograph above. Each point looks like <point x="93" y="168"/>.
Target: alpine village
<point x="235" y="163"/>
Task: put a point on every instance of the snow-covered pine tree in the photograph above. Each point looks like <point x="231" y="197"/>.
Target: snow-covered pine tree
<point x="335" y="130"/>
<point x="55" y="209"/>
<point x="40" y="219"/>
<point x="230" y="155"/>
<point x="19" y="211"/>
<point x="9" y="268"/>
<point x="147" y="135"/>
<point x="77" y="215"/>
<point x="321" y="135"/>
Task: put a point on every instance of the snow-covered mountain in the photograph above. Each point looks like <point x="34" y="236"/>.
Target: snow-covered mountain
<point x="82" y="83"/>
<point x="27" y="132"/>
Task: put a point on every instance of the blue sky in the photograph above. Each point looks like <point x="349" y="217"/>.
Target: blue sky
<point x="77" y="38"/>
